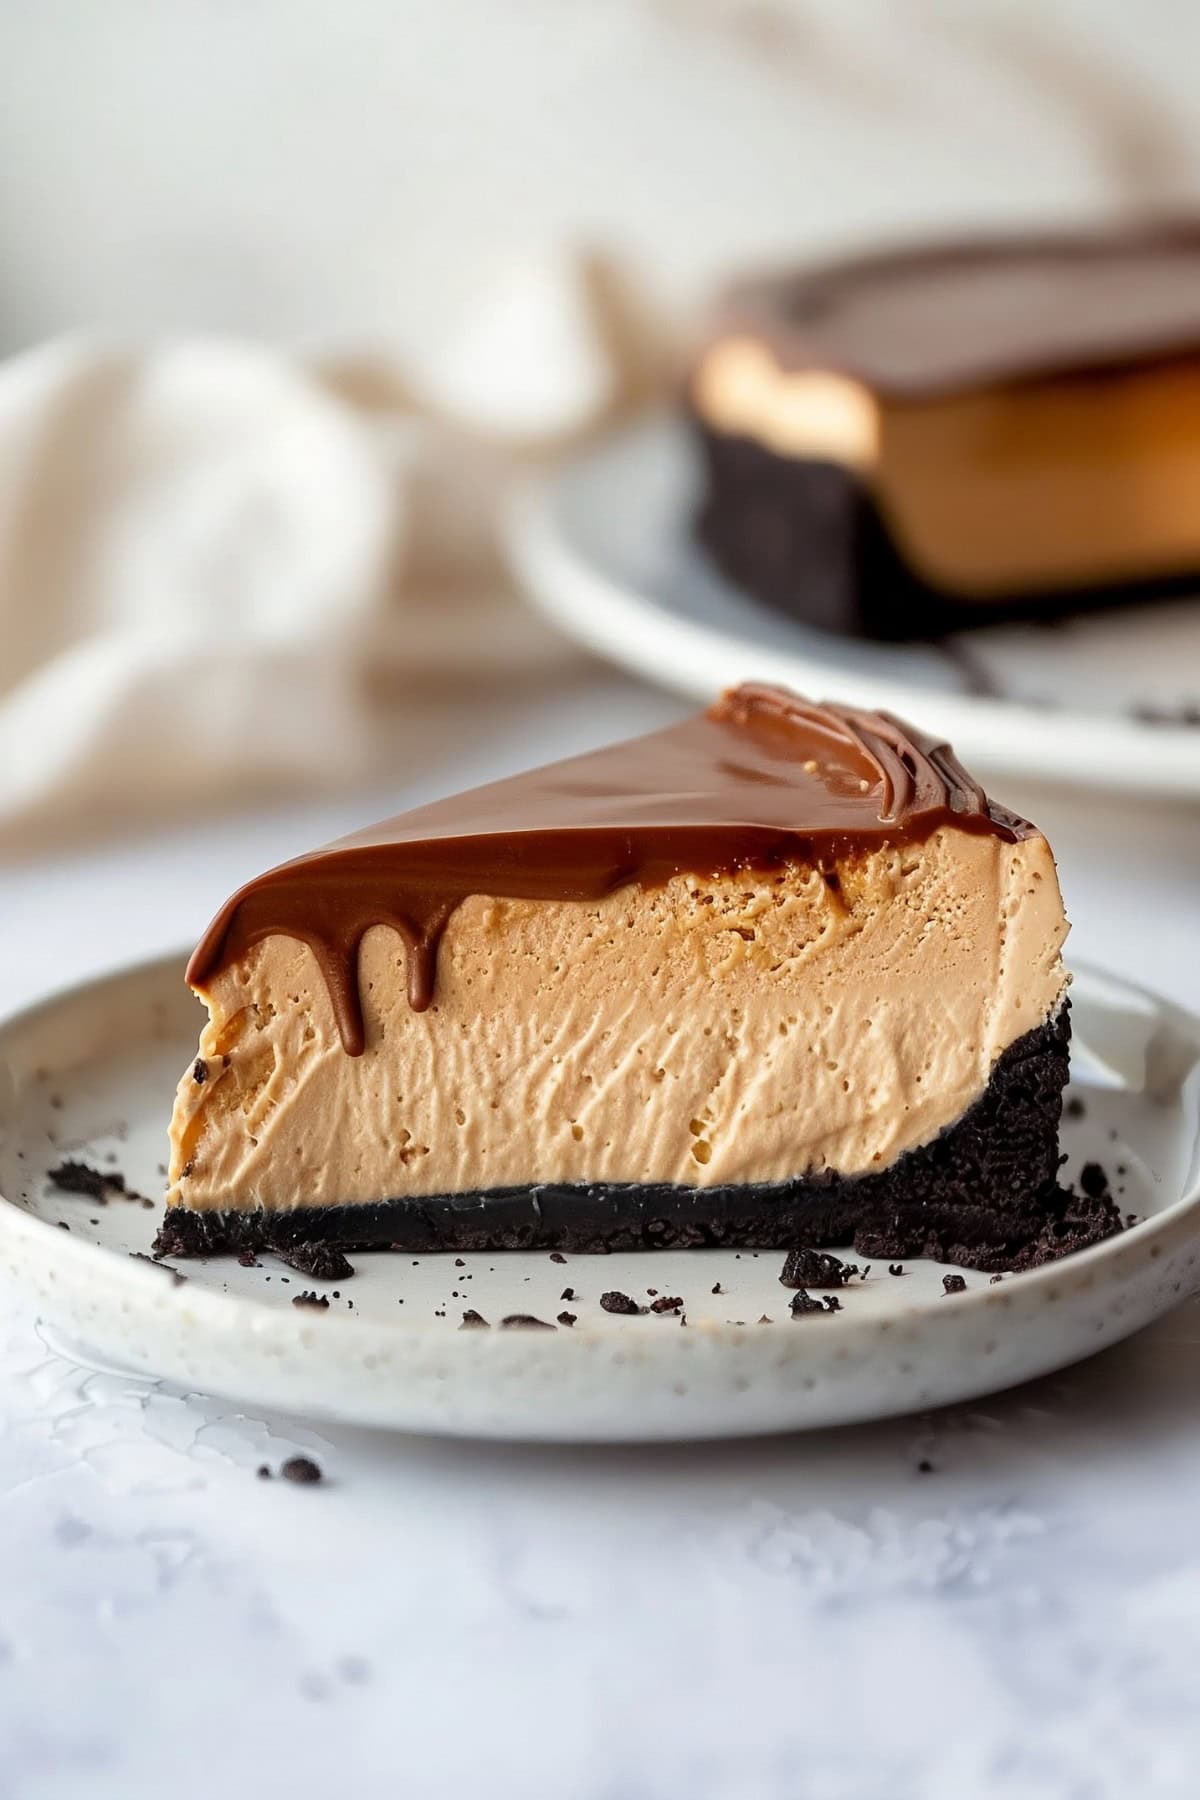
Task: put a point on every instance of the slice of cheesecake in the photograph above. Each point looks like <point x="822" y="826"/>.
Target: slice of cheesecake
<point x="779" y="974"/>
<point x="948" y="434"/>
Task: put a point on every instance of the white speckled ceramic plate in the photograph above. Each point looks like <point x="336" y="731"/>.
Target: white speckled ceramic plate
<point x="603" y="546"/>
<point x="90" y="1073"/>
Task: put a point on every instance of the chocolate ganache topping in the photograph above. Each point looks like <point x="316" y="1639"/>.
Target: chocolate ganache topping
<point x="926" y="320"/>
<point x="761" y="779"/>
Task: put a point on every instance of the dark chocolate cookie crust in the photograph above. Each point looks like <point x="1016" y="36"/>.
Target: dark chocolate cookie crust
<point x="808" y="539"/>
<point x="984" y="1193"/>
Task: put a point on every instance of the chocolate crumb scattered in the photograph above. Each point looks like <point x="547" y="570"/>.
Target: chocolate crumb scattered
<point x="177" y="1280"/>
<point x="300" y="1468"/>
<point x="1075" y="1109"/>
<point x="831" y="1303"/>
<point x="815" y="1269"/>
<point x="63" y="1226"/>
<point x="763" y="1320"/>
<point x="200" y="1070"/>
<point x="1093" y="1180"/>
<point x="80" y="1178"/>
<point x="567" y="1318"/>
<point x="557" y="1256"/>
<point x="248" y="1260"/>
<point x="310" y="1297"/>
<point x="324" y="1262"/>
<point x="954" y="1284"/>
<point x="993" y="1279"/>
<point x="568" y="1293"/>
<point x="925" y="1467"/>
<point x="667" y="1303"/>
<point x="803" y="1302"/>
<point x="895" y="1268"/>
<point x="528" y="1320"/>
<point x="717" y="1288"/>
<point x="616" y="1302"/>
<point x="263" y="1472"/>
<point x="460" y="1262"/>
<point x="652" y="1292"/>
<point x="473" y="1320"/>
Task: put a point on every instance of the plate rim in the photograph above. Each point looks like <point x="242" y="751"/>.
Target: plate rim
<point x="632" y="628"/>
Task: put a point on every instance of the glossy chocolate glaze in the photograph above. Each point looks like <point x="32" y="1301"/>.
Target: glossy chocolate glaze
<point x="761" y="779"/>
<point x="917" y="322"/>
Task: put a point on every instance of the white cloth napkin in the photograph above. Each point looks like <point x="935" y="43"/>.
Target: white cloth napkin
<point x="220" y="567"/>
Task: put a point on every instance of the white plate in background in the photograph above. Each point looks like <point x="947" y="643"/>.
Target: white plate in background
<point x="603" y="547"/>
<point x="91" y="1072"/>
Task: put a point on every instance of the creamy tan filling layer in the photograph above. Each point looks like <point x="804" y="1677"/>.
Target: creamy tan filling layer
<point x="741" y="1029"/>
<point x="1072" y="481"/>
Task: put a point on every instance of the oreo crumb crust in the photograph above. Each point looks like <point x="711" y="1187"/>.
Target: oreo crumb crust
<point x="199" y="1070"/>
<point x="667" y="1303"/>
<point x="567" y="1318"/>
<point x="311" y="1298"/>
<point x="954" y="1284"/>
<point x="984" y="1195"/>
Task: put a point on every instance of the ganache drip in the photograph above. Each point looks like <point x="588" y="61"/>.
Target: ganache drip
<point x="761" y="779"/>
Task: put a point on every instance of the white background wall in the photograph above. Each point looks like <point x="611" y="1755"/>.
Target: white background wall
<point x="315" y="169"/>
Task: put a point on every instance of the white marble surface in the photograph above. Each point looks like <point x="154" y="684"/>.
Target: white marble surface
<point x="803" y="1617"/>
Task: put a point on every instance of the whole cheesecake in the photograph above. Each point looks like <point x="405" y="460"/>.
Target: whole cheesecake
<point x="950" y="434"/>
<point x="778" y="975"/>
